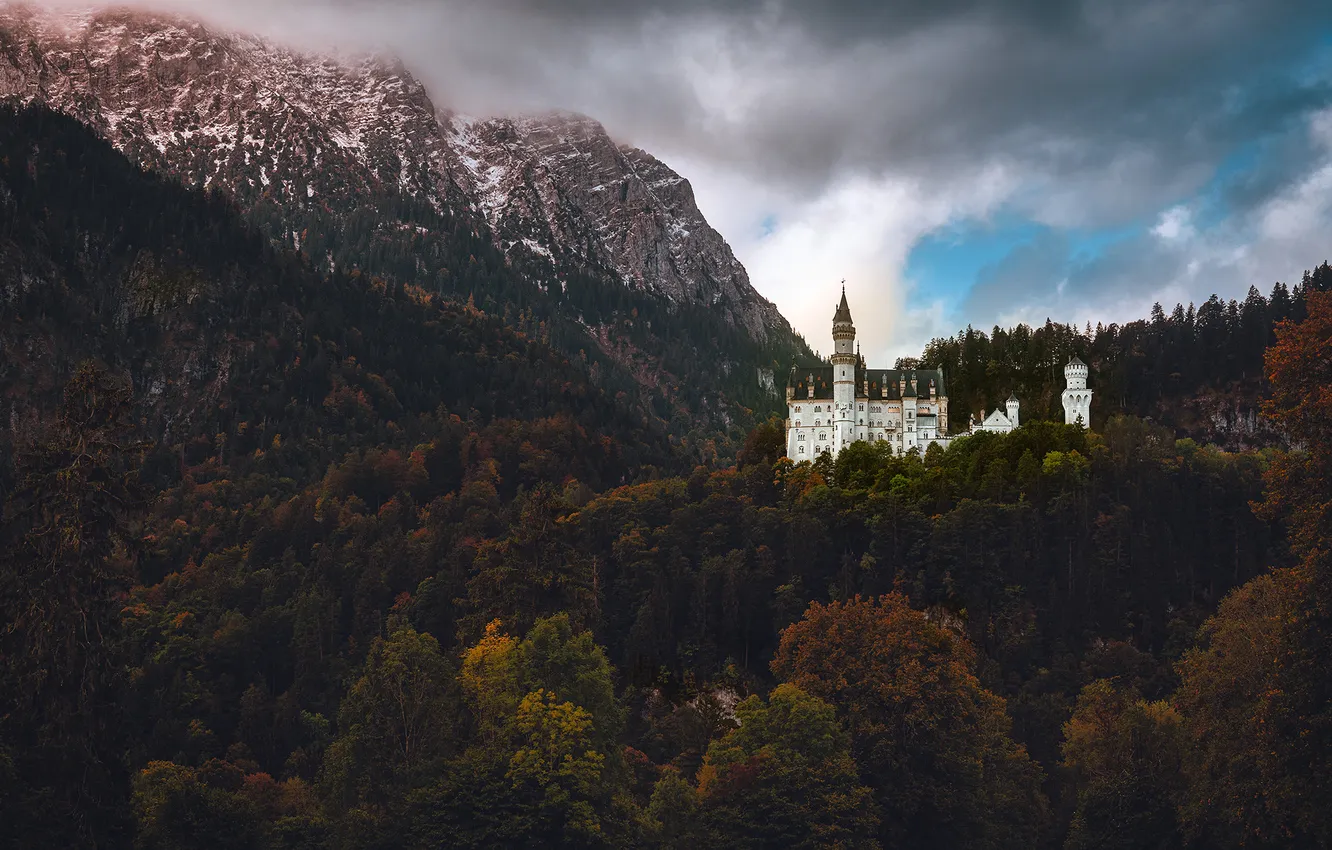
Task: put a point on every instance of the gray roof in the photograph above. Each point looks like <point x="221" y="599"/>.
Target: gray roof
<point x="822" y="378"/>
<point x="843" y="313"/>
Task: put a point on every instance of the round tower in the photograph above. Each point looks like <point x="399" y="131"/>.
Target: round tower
<point x="1012" y="405"/>
<point x="1077" y="398"/>
<point x="1075" y="374"/>
<point x="844" y="376"/>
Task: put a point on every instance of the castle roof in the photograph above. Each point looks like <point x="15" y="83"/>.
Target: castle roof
<point x="843" y="313"/>
<point x="821" y="377"/>
<point x="1012" y="397"/>
<point x="1074" y="361"/>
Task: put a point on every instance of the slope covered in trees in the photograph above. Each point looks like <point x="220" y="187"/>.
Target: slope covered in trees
<point x="301" y="561"/>
<point x="1199" y="371"/>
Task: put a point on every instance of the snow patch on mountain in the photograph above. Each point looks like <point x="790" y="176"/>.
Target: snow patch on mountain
<point x="271" y="125"/>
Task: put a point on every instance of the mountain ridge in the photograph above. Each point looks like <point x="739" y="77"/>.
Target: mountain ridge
<point x="309" y="134"/>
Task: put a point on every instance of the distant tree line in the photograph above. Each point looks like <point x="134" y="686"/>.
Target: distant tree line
<point x="1152" y="368"/>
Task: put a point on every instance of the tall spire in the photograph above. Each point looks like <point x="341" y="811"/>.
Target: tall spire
<point x="843" y="313"/>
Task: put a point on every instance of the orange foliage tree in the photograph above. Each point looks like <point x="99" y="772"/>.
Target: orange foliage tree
<point x="1299" y="490"/>
<point x="930" y="741"/>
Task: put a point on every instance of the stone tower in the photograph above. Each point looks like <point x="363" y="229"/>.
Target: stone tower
<point x="1012" y="405"/>
<point x="1077" y="398"/>
<point x="844" y="376"/>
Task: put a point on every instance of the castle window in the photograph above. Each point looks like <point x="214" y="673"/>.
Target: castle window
<point x="862" y="407"/>
<point x="797" y="408"/>
<point x="800" y="436"/>
<point x="818" y="408"/>
<point x="862" y="420"/>
<point x="817" y="423"/>
<point x="823" y="436"/>
<point x="801" y="450"/>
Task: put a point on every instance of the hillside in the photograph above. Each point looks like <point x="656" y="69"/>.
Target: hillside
<point x="223" y="335"/>
<point x="313" y="561"/>
<point x="1199" y="371"/>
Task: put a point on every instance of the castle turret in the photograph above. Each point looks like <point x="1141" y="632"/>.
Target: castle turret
<point x="1012" y="405"/>
<point x="1077" y="398"/>
<point x="844" y="375"/>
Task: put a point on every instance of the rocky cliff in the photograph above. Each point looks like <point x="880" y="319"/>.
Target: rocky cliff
<point x="558" y="183"/>
<point x="311" y="145"/>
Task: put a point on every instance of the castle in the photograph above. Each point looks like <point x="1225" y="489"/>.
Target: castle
<point x="1000" y="421"/>
<point x="1077" y="398"/>
<point x="831" y="407"/>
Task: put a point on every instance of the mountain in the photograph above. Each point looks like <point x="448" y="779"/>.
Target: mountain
<point x="232" y="341"/>
<point x="558" y="183"/>
<point x="349" y="162"/>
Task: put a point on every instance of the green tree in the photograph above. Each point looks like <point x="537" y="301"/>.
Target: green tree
<point x="555" y="757"/>
<point x="68" y="546"/>
<point x="177" y="808"/>
<point x="395" y="724"/>
<point x="785" y="778"/>
<point x="673" y="812"/>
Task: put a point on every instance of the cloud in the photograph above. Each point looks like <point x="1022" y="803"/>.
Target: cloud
<point x="1178" y="260"/>
<point x="1176" y="223"/>
<point x="855" y="127"/>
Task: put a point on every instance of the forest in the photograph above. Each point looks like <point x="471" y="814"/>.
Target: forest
<point x="295" y="559"/>
<point x="1197" y="370"/>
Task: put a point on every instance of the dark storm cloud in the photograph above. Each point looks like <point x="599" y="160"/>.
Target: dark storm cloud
<point x="1120" y="106"/>
<point x="1130" y="103"/>
<point x="1078" y="115"/>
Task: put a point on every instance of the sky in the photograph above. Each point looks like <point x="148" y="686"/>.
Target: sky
<point x="957" y="162"/>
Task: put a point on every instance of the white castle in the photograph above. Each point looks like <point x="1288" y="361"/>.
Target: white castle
<point x="831" y="407"/>
<point x="1077" y="398"/>
<point x="1000" y="421"/>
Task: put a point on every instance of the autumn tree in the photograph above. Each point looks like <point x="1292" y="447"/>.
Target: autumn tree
<point x="1240" y="792"/>
<point x="544" y="765"/>
<point x="554" y="758"/>
<point x="930" y="740"/>
<point x="1125" y="753"/>
<point x="1299" y="491"/>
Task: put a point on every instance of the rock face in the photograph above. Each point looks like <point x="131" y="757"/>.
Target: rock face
<point x="558" y="183"/>
<point x="297" y="139"/>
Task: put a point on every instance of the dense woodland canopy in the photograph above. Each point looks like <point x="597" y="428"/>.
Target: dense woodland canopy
<point x="1198" y="370"/>
<point x="292" y="560"/>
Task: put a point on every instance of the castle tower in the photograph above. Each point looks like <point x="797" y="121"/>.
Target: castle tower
<point x="1012" y="405"/>
<point x="844" y="376"/>
<point x="1077" y="398"/>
